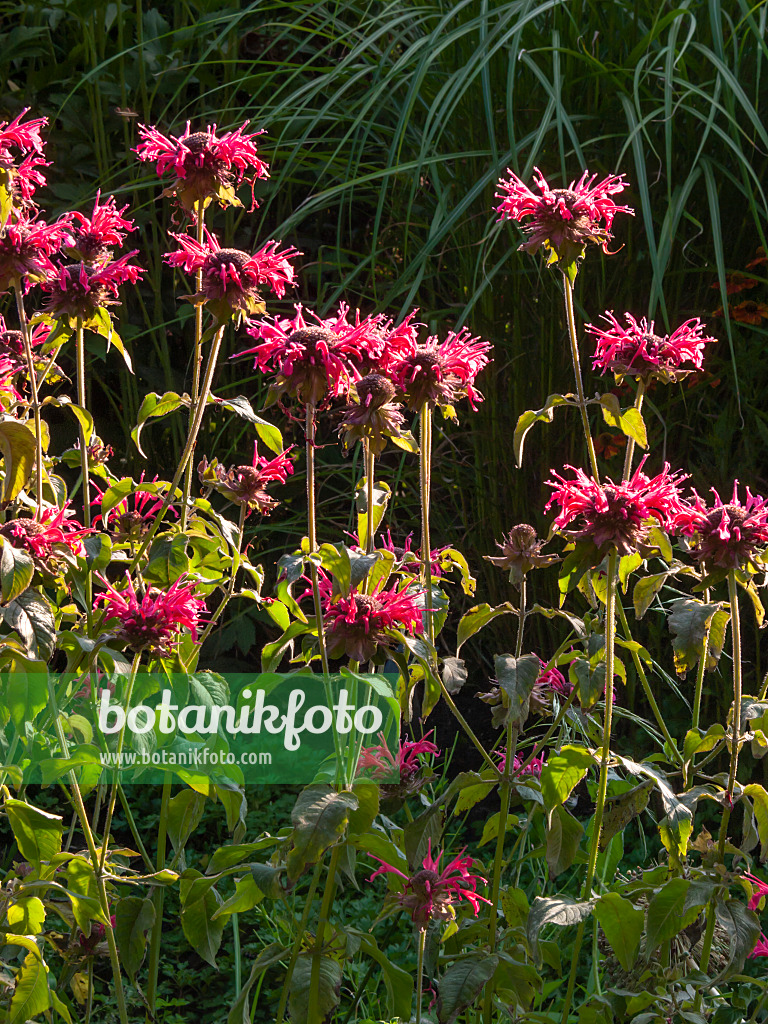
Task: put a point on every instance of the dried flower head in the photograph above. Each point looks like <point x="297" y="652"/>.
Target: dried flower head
<point x="615" y="514"/>
<point x="81" y="289"/>
<point x="725" y="536"/>
<point x="245" y="485"/>
<point x="231" y="279"/>
<point x="638" y="351"/>
<point x="357" y="625"/>
<point x="96" y="236"/>
<point x="152" y="622"/>
<point x="563" y="220"/>
<point x="375" y="417"/>
<point x="521" y="552"/>
<point x="431" y="894"/>
<point x="206" y="166"/>
<point x="440" y="373"/>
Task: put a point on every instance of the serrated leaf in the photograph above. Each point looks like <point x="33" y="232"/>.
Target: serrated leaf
<point x="665" y="916"/>
<point x="622" y="924"/>
<point x="30" y="996"/>
<point x="478" y="617"/>
<point x="517" y="678"/>
<point x="270" y="955"/>
<point x="462" y="983"/>
<point x="646" y="588"/>
<point x="134" y="917"/>
<point x="16" y="570"/>
<point x="743" y="927"/>
<point x="202" y="930"/>
<point x="563" y="837"/>
<point x="562" y="772"/>
<point x="328" y="989"/>
<point x="690" y="622"/>
<point x="553" y="910"/>
<point x="319" y="818"/>
<point x="621" y="809"/>
<point x="37" y="833"/>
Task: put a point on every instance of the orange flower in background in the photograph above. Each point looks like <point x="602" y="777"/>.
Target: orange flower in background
<point x="735" y="283"/>
<point x="760" y="259"/>
<point x="750" y="312"/>
<point x="609" y="445"/>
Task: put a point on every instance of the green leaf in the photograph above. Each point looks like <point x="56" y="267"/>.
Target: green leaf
<point x="666" y="916"/>
<point x="398" y="982"/>
<point x="268" y="879"/>
<point x="267" y="432"/>
<point x="627" y="565"/>
<point x="633" y="425"/>
<point x="82" y="415"/>
<point x="184" y="813"/>
<point x="562" y="772"/>
<point x="247" y="896"/>
<point x="743" y="927"/>
<point x="759" y="797"/>
<point x="589" y="680"/>
<point x="134" y="917"/>
<point x="517" y="677"/>
<point x="336" y="562"/>
<point x="202" y="931"/>
<point x="30" y="996"/>
<point x="622" y="924"/>
<point x="531" y="416"/>
<point x="26" y="916"/>
<point x="154" y="406"/>
<point x="270" y="955"/>
<point x="18" y="447"/>
<point x="37" y="833"/>
<point x="515" y="907"/>
<point x="454" y="674"/>
<point x="16" y="570"/>
<point x="478" y="617"/>
<point x="272" y="654"/>
<point x="329" y="987"/>
<point x="646" y="588"/>
<point x="563" y="837"/>
<point x="689" y="622"/>
<point x="168" y="559"/>
<point x="491" y="827"/>
<point x="621" y="809"/>
<point x="554" y="910"/>
<point x="462" y="983"/>
<point x="31" y="617"/>
<point x="452" y="558"/>
<point x="26" y="695"/>
<point x="98" y="551"/>
<point x="319" y="818"/>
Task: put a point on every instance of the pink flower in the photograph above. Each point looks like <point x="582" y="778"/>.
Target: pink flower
<point x="430" y="894"/>
<point x="548" y="683"/>
<point x="760" y="890"/>
<point x="357" y="625"/>
<point x="406" y="766"/>
<point x="615" y="514"/>
<point x="245" y="485"/>
<point x="760" y="948"/>
<point x="50" y="537"/>
<point x="26" y="246"/>
<point x="97" y="235"/>
<point x="441" y="372"/>
<point x="231" y="278"/>
<point x="407" y="556"/>
<point x="563" y="220"/>
<point x="373" y="416"/>
<point x="317" y="360"/>
<point x="636" y="349"/>
<point x="80" y="289"/>
<point x="152" y="622"/>
<point x="25" y="179"/>
<point x="519" y="768"/>
<point x="728" y="536"/>
<point x="25" y="137"/>
<point x="12" y="342"/>
<point x="205" y="166"/>
<point x="126" y="523"/>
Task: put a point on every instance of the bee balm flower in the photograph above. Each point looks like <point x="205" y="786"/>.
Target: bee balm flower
<point x="727" y="536"/>
<point x="245" y="485"/>
<point x="638" y="351"/>
<point x="359" y="624"/>
<point x="80" y="289"/>
<point x="154" y="620"/>
<point x="96" y="236"/>
<point x="563" y="220"/>
<point x="440" y="373"/>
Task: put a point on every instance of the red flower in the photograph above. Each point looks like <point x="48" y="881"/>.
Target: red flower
<point x="12" y="342"/>
<point x="21" y="179"/>
<point x="126" y="523"/>
<point x="232" y="278"/>
<point x="729" y="535"/>
<point x="315" y="360"/>
<point x="80" y="289"/>
<point x="98" y="234"/>
<point x="439" y="373"/>
<point x="404" y="767"/>
<point x="760" y="890"/>
<point x="26" y="247"/>
<point x="25" y="137"/>
<point x="563" y="220"/>
<point x="548" y="683"/>
<point x="150" y="623"/>
<point x="205" y="166"/>
<point x="357" y="625"/>
<point x="533" y="769"/>
<point x="430" y="894"/>
<point x="760" y="948"/>
<point x="637" y="350"/>
<point x="245" y="485"/>
<point x="615" y="514"/>
<point x="54" y="532"/>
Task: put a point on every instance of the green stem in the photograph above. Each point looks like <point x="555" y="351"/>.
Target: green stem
<point x="520" y="620"/>
<point x="314" y="1016"/>
<point x="309" y="430"/>
<point x="370" y="462"/>
<point x="466" y="726"/>
<point x="196" y="367"/>
<point x="425" y="483"/>
<point x="301" y="932"/>
<point x="602" y="788"/>
<point x="639" y="395"/>
<point x="125" y="804"/>
<point x="120" y="743"/>
<point x="571" y="317"/>
<point x="232" y="579"/>
<point x="158" y="899"/>
<point x="238" y="955"/>
<point x="24" y="326"/>
<point x="733" y="597"/>
<point x="84" y="468"/>
<point x="420" y="943"/>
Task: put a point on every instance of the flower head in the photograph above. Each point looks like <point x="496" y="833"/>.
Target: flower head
<point x="154" y="620"/>
<point x="12" y="342"/>
<point x="359" y="624"/>
<point x="760" y="948"/>
<point x="53" y="535"/>
<point x="80" y="289"/>
<point x="760" y="890"/>
<point x="638" y="351"/>
<point x="245" y="485"/>
<point x="563" y="220"/>
<point x="430" y="894"/>
<point x="94" y="237"/>
<point x="550" y="681"/>
<point x="406" y="766"/>
<point x="521" y="552"/>
<point x="23" y="177"/>
<point x="26" y="246"/>
<point x="726" y="536"/>
<point x="231" y="278"/>
<point x="132" y="518"/>
<point x="440" y="373"/>
<point x="375" y="416"/>
<point x="519" y="767"/>
<point x="615" y="514"/>
<point x="205" y="166"/>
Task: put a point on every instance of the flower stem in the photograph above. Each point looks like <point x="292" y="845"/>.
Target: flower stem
<point x="602" y="788"/>
<point x="232" y="578"/>
<point x="314" y="1015"/>
<point x="24" y="326"/>
<point x="158" y="898"/>
<point x="571" y="317"/>
<point x="420" y="944"/>
<point x="196" y="367"/>
<point x="425" y="483"/>
<point x="310" y="425"/>
<point x="301" y="932"/>
<point x="520" y="620"/>
<point x="370" y="462"/>
<point x="84" y="468"/>
<point x="639" y="396"/>
<point x="733" y="597"/>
